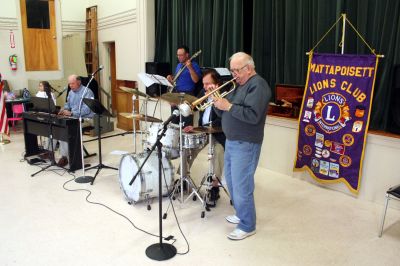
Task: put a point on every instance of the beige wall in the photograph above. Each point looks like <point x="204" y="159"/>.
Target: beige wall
<point x="379" y="166"/>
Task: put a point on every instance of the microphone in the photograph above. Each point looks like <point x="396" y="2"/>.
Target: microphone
<point x="185" y="109"/>
<point x="100" y="68"/>
<point x="61" y="92"/>
<point x="175" y="113"/>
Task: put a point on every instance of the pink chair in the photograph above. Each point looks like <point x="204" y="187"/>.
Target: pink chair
<point x="17" y="109"/>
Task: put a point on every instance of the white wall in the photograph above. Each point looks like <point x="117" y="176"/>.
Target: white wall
<point x="107" y="8"/>
<point x="131" y="29"/>
<point x="10" y="19"/>
<point x="73" y="10"/>
<point x="8" y="9"/>
<point x="379" y="166"/>
<point x="130" y="24"/>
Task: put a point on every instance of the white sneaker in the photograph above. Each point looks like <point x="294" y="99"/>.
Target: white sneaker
<point x="233" y="219"/>
<point x="239" y="234"/>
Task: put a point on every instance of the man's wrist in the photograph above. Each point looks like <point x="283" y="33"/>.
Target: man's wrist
<point x="229" y="108"/>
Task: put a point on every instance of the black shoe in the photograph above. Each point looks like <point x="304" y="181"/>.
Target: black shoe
<point x="214" y="194"/>
<point x="62" y="162"/>
<point x="178" y="183"/>
<point x="46" y="155"/>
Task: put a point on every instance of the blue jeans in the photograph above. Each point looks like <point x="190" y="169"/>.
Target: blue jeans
<point x="241" y="159"/>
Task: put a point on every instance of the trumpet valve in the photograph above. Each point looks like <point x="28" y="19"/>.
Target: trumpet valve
<point x="217" y="94"/>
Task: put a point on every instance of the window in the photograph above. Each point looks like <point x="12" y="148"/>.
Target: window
<point x="37" y="13"/>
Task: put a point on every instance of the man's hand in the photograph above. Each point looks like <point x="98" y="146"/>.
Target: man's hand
<point x="65" y="112"/>
<point x="188" y="129"/>
<point x="189" y="64"/>
<point x="170" y="78"/>
<point x="193" y="75"/>
<point x="222" y="104"/>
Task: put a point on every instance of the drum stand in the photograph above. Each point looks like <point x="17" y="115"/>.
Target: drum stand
<point x="184" y="177"/>
<point x="134" y="121"/>
<point x="208" y="178"/>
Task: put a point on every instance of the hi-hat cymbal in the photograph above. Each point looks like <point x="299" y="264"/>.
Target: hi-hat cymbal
<point x="176" y="97"/>
<point x="134" y="91"/>
<point x="141" y="117"/>
<point x="208" y="130"/>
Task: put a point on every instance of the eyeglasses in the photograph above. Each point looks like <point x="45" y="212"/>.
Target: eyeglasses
<point x="237" y="70"/>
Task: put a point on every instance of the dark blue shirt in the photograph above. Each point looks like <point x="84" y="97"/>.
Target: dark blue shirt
<point x="184" y="83"/>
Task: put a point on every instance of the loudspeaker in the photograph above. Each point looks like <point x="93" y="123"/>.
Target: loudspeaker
<point x="159" y="68"/>
<point x="394" y="108"/>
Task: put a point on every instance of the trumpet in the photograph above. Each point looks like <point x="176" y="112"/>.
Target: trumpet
<point x="187" y="107"/>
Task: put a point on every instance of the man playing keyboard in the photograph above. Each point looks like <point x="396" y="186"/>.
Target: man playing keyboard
<point x="71" y="108"/>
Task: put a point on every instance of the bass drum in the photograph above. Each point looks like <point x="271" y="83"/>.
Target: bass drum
<point x="145" y="185"/>
<point x="170" y="141"/>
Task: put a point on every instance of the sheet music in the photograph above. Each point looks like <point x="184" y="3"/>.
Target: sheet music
<point x="222" y="71"/>
<point x="150" y="79"/>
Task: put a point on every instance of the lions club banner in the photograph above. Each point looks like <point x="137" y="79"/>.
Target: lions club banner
<point x="334" y="117"/>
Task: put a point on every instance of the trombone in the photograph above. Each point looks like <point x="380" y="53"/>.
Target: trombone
<point x="203" y="106"/>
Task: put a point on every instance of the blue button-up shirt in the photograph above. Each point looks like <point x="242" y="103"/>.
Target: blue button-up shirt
<point x="74" y="99"/>
<point x="184" y="83"/>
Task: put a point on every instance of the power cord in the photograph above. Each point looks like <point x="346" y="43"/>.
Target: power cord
<point x="56" y="171"/>
<point x="176" y="218"/>
<point x="120" y="214"/>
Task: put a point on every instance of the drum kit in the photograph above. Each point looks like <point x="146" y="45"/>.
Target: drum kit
<point x="175" y="144"/>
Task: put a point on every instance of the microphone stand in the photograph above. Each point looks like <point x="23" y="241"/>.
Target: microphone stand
<point x="83" y="178"/>
<point x="158" y="251"/>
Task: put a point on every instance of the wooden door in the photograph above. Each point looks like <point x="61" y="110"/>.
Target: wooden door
<point x="121" y="101"/>
<point x="113" y="77"/>
<point x="39" y="33"/>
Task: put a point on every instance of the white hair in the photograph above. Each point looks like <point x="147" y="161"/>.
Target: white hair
<point x="245" y="58"/>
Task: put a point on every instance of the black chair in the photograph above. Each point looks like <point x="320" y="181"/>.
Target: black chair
<point x="392" y="193"/>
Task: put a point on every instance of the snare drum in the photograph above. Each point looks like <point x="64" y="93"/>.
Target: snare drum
<point x="170" y="141"/>
<point x="145" y="185"/>
<point x="194" y="140"/>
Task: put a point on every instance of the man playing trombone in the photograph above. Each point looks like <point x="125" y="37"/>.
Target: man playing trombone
<point x="243" y="114"/>
<point x="187" y="73"/>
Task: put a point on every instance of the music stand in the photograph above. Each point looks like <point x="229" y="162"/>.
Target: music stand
<point x="99" y="110"/>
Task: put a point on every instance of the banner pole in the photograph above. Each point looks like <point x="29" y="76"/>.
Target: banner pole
<point x="343" y="31"/>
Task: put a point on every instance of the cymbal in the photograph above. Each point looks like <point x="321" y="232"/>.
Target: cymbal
<point x="141" y="117"/>
<point x="134" y="91"/>
<point x="175" y="98"/>
<point x="208" y="130"/>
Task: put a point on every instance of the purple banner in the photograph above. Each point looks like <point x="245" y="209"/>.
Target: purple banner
<point x="334" y="117"/>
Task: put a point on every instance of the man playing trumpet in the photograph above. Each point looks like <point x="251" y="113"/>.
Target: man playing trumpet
<point x="243" y="114"/>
